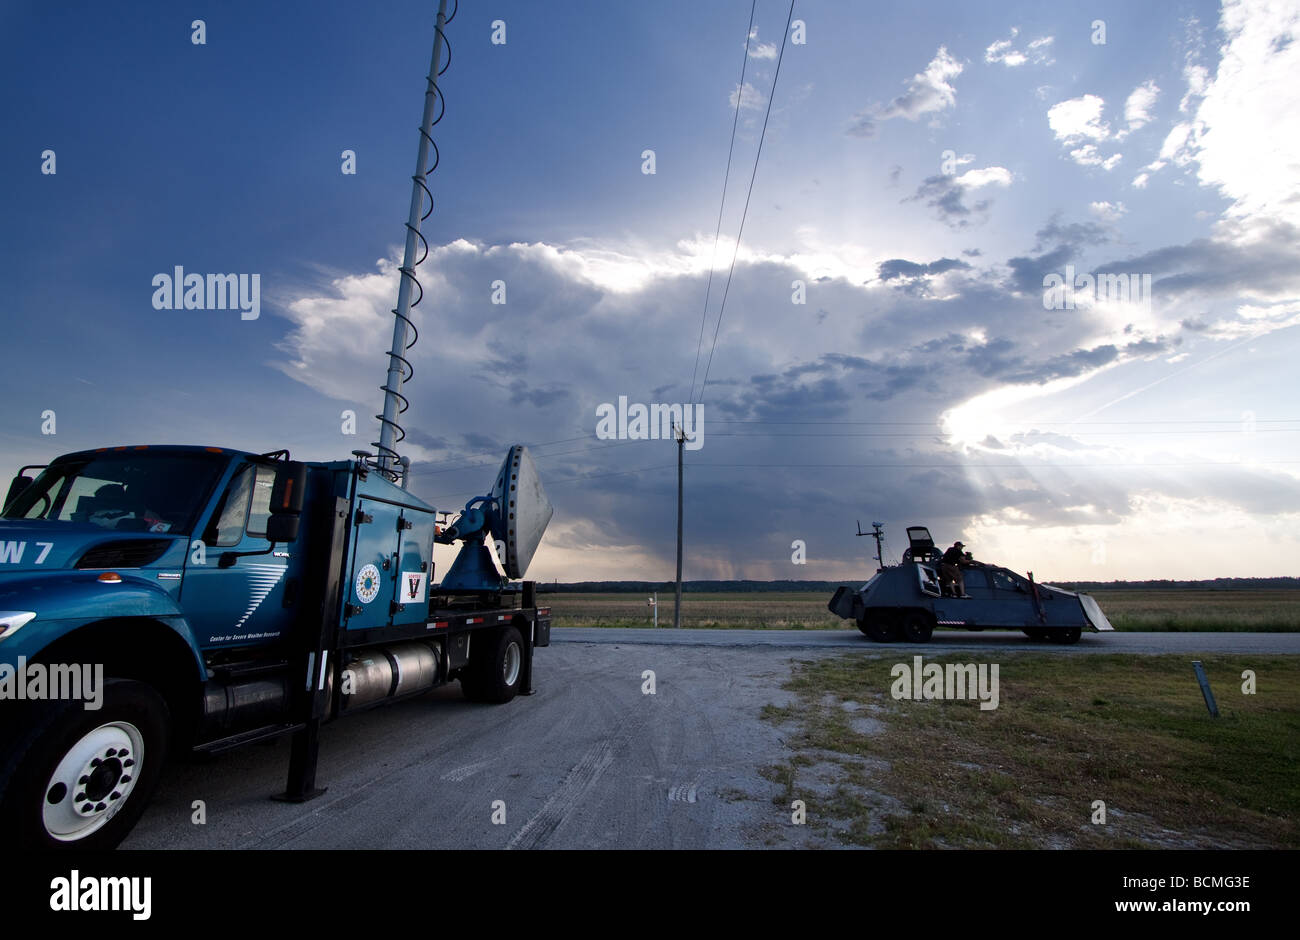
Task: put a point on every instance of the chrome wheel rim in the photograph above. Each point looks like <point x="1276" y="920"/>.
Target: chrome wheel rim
<point x="93" y="781"/>
<point x="513" y="662"/>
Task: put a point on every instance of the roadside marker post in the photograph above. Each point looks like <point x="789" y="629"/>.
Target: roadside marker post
<point x="1204" y="680"/>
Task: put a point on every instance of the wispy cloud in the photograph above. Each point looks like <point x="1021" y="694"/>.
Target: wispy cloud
<point x="760" y="50"/>
<point x="751" y="99"/>
<point x="1004" y="51"/>
<point x="1078" y="125"/>
<point x="928" y="92"/>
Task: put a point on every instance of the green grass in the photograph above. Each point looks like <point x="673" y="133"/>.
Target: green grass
<point x="1131" y="731"/>
<point x="1262" y="610"/>
<point x="794" y="610"/>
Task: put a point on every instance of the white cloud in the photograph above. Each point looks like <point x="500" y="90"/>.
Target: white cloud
<point x="1140" y="181"/>
<point x="927" y="92"/>
<point x="1107" y="211"/>
<point x="620" y="316"/>
<point x="989" y="175"/>
<point x="1234" y="135"/>
<point x="1153" y="519"/>
<point x="1089" y="155"/>
<point x="1003" y="50"/>
<point x="1137" y="109"/>
<point x="1078" y="118"/>
<point x="1078" y="125"/>
<point x="1245" y="149"/>
<point x="760" y="50"/>
<point x="751" y="99"/>
<point x="1175" y="146"/>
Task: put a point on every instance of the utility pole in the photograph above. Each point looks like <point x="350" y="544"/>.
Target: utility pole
<point x="680" y="434"/>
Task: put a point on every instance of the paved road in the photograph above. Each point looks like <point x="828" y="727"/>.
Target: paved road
<point x="590" y="761"/>
<point x="942" y="641"/>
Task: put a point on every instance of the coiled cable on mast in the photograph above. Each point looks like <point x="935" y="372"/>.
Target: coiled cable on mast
<point x="386" y="455"/>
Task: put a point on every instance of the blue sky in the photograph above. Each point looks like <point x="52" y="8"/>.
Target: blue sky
<point x="925" y="167"/>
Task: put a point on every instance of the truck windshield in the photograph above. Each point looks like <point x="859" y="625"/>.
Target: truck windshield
<point x="132" y="492"/>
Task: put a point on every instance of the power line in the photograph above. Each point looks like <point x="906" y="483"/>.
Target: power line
<point x="740" y="94"/>
<point x="745" y="212"/>
<point x="956" y="465"/>
<point x="1043" y="423"/>
<point x="940" y="433"/>
<point x="906" y="466"/>
<point x="559" y="453"/>
<point x="550" y="483"/>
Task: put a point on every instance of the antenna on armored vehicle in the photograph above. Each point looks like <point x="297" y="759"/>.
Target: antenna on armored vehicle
<point x="877" y="532"/>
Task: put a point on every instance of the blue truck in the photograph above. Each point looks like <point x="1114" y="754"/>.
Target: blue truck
<point x="163" y="597"/>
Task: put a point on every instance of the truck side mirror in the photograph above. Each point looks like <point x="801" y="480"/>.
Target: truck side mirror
<point x="16" y="488"/>
<point x="287" y="494"/>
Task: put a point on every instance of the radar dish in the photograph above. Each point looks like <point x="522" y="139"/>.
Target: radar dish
<point x="524" y="511"/>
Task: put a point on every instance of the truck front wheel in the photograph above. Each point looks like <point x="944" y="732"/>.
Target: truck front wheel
<point x="496" y="667"/>
<point x="81" y="778"/>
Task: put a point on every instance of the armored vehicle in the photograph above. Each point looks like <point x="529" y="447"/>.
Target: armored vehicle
<point x="908" y="601"/>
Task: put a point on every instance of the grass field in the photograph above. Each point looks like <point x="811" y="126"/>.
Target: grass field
<point x="1261" y="610"/>
<point x="1130" y="732"/>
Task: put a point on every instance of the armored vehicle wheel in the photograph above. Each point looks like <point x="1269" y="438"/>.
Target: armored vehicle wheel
<point x="917" y="628"/>
<point x="879" y="628"/>
<point x="1068" y="635"/>
<point x="80" y="778"/>
<point x="1035" y="633"/>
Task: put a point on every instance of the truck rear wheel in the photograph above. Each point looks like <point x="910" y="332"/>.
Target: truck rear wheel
<point x="80" y="779"/>
<point x="496" y="667"/>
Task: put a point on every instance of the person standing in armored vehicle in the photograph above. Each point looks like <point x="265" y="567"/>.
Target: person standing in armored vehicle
<point x="950" y="569"/>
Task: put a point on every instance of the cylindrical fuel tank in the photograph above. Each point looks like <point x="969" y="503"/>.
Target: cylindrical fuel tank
<point x="384" y="671"/>
<point x="243" y="703"/>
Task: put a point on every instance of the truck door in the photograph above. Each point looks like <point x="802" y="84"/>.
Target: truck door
<point x="243" y="604"/>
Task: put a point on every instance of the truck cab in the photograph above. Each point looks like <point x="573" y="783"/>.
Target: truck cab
<point x="147" y="532"/>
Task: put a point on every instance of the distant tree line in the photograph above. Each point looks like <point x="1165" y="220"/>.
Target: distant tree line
<point x="743" y="587"/>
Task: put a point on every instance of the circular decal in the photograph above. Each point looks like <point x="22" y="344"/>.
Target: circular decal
<point x="367" y="584"/>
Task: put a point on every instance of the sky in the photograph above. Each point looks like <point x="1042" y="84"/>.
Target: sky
<point x="896" y="345"/>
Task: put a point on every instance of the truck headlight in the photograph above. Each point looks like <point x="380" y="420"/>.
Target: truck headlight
<point x="12" y="620"/>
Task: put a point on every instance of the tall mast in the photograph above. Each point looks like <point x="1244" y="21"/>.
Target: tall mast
<point x="399" y="369"/>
